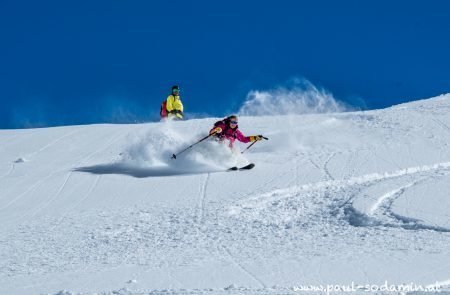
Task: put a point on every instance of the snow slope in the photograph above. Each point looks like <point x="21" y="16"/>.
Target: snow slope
<point x="360" y="197"/>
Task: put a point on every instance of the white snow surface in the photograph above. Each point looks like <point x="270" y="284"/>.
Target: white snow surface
<point x="340" y="198"/>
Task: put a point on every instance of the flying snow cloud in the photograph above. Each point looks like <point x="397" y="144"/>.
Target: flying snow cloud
<point x="299" y="97"/>
<point x="150" y="154"/>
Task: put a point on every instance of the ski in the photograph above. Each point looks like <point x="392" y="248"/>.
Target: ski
<point x="247" y="167"/>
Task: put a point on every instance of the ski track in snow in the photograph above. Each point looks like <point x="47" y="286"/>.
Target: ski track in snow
<point x="240" y="266"/>
<point x="70" y="173"/>
<point x="357" y="180"/>
<point x="79" y="202"/>
<point x="441" y="124"/>
<point x="45" y="147"/>
<point x="314" y="164"/>
<point x="40" y="181"/>
<point x="261" y="202"/>
<point x="222" y="248"/>
<point x="325" y="166"/>
<point x="10" y="171"/>
<point x="261" y="189"/>
<point x="386" y="217"/>
<point x="390" y="195"/>
<point x="52" y="197"/>
<point x="67" y="177"/>
<point x="203" y="190"/>
<point x="28" y="190"/>
<point x="382" y="211"/>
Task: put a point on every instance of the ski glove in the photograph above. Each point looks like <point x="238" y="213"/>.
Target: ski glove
<point x="255" y="138"/>
<point x="216" y="130"/>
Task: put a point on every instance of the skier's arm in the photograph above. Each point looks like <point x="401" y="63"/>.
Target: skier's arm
<point x="217" y="129"/>
<point x="246" y="139"/>
<point x="169" y="104"/>
<point x="241" y="137"/>
<point x="180" y="108"/>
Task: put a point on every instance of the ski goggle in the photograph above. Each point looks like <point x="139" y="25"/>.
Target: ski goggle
<point x="234" y="122"/>
<point x="176" y="90"/>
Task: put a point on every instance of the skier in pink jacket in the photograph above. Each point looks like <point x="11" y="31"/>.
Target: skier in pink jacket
<point x="228" y="129"/>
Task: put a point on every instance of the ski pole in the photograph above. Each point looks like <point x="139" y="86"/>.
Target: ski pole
<point x="174" y="156"/>
<point x="253" y="144"/>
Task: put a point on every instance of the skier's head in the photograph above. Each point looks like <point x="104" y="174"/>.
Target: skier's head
<point x="176" y="89"/>
<point x="232" y="121"/>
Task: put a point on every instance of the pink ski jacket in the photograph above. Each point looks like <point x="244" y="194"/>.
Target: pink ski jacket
<point x="230" y="133"/>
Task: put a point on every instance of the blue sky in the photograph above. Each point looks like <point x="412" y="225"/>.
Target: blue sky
<point x="80" y="62"/>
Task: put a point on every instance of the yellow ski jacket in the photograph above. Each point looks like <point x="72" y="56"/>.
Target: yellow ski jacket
<point x="174" y="106"/>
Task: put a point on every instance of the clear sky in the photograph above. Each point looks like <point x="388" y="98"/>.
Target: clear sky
<point x="78" y="62"/>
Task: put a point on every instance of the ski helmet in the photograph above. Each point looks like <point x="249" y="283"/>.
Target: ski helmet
<point x="175" y="87"/>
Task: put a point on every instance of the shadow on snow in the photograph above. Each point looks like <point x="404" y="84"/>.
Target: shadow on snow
<point x="142" y="172"/>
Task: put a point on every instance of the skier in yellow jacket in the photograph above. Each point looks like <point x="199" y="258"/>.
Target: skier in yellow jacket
<point x="174" y="106"/>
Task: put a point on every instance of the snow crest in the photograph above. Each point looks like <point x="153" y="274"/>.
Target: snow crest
<point x="299" y="97"/>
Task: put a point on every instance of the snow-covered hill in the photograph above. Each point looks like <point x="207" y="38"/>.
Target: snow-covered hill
<point x="342" y="198"/>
